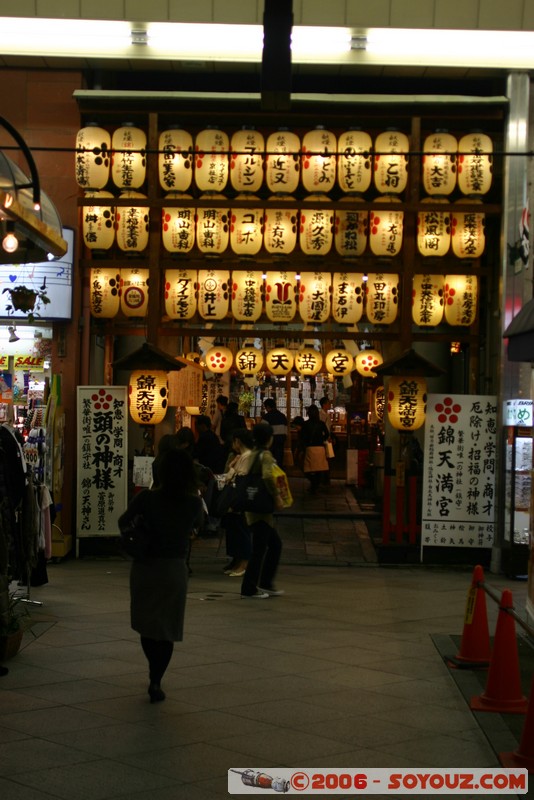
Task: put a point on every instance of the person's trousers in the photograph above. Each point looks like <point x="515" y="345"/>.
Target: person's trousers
<point x="158" y="654"/>
<point x="264" y="559"/>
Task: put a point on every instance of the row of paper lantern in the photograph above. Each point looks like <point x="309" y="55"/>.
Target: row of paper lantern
<point x="246" y="159"/>
<point x="318" y="297"/>
<point x="279" y="230"/>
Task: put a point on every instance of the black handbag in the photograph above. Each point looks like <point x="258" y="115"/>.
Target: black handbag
<point x="135" y="537"/>
<point x="251" y="493"/>
<point x="223" y="500"/>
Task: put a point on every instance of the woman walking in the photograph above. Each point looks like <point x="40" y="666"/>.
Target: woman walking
<point x="158" y="583"/>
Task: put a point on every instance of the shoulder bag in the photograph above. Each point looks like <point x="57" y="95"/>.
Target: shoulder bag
<point x="251" y="493"/>
<point x="135" y="537"/>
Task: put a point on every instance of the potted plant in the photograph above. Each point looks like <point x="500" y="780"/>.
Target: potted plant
<point x="25" y="299"/>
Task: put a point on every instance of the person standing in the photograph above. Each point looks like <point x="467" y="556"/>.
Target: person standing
<point x="238" y="539"/>
<point x="324" y="416"/>
<point x="278" y="422"/>
<point x="158" y="583"/>
<point x="221" y="404"/>
<point x="258" y="580"/>
<point x="313" y="436"/>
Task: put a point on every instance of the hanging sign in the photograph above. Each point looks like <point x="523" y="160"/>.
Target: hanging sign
<point x="185" y="386"/>
<point x="347" y="297"/>
<point x="460" y="462"/>
<point x="102" y="447"/>
<point x="24" y="362"/>
<point x="180" y="293"/>
<point x="314" y="296"/>
<point x="247" y="286"/>
<point x="280" y="296"/>
<point x="213" y="293"/>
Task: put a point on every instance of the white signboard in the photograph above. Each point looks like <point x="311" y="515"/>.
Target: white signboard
<point x="102" y="445"/>
<point x="459" y="471"/>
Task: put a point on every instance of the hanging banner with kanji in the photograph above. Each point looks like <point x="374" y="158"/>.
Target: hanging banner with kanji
<point x="459" y="471"/>
<point x="102" y="445"/>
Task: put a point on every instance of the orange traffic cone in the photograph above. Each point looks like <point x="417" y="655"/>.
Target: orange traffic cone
<point x="475" y="650"/>
<point x="503" y="687"/>
<point x="524" y="756"/>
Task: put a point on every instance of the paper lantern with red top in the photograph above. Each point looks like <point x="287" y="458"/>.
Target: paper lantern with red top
<point x="391" y="162"/>
<point x="178" y="225"/>
<point x="218" y="359"/>
<point x="439" y="163"/>
<point x="460" y="295"/>
<point x="128" y="162"/>
<point x="281" y="295"/>
<point x="180" y="293"/>
<point x="175" y="160"/>
<point x="98" y="223"/>
<point x="475" y="164"/>
<point x="247" y="287"/>
<point x="347" y="297"/>
<point x="92" y="157"/>
<point x="427" y="300"/>
<point x="318" y="160"/>
<point x="132" y="223"/>
<point x="134" y="292"/>
<point x="316" y="228"/>
<point x="246" y="228"/>
<point x="211" y="160"/>
<point x="406" y="403"/>
<point x="246" y="160"/>
<point x="354" y="166"/>
<point x="366" y="361"/>
<point x="148" y="396"/>
<point x="104" y="292"/>
<point x="282" y="162"/>
<point x="213" y="227"/>
<point x="314" y="296"/>
<point x="386" y="229"/>
<point x="213" y="293"/>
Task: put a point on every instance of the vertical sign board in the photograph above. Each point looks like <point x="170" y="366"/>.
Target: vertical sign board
<point x="459" y="471"/>
<point x="102" y="446"/>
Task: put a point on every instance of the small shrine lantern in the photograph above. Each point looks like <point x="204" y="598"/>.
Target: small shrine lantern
<point x="132" y="224"/>
<point x="406" y="402"/>
<point x="318" y="163"/>
<point x="92" y="158"/>
<point x="351" y="230"/>
<point x="434" y="231"/>
<point x="98" y="223"/>
<point x="249" y="360"/>
<point x="475" y="164"/>
<point x="339" y="362"/>
<point x="439" y="163"/>
<point x="178" y="225"/>
<point x="316" y="228"/>
<point x="246" y="160"/>
<point x="386" y="229"/>
<point x="427" y="300"/>
<point x="134" y="292"/>
<point x="211" y="160"/>
<point x="104" y="292"/>
<point x="148" y="396"/>
<point x="366" y="361"/>
<point x="212" y="228"/>
<point x="354" y="163"/>
<point x="382" y="298"/>
<point x="460" y="295"/>
<point x="128" y="163"/>
<point x="314" y="296"/>
<point x="175" y="160"/>
<point x="246" y="292"/>
<point x="282" y="162"/>
<point x="468" y="233"/>
<point x="308" y="361"/>
<point x="280" y="227"/>
<point x="279" y="361"/>
<point x="246" y="229"/>
<point x="391" y="162"/>
<point x="347" y="297"/>
<point x="218" y="359"/>
<point x="180" y="293"/>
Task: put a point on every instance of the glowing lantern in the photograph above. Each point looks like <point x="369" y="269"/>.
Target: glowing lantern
<point x="279" y="361"/>
<point x="366" y="361"/>
<point x="427" y="300"/>
<point x="351" y="230"/>
<point x="339" y="363"/>
<point x="246" y="229"/>
<point x="439" y="163"/>
<point x="318" y="168"/>
<point x="132" y="224"/>
<point x="379" y="403"/>
<point x="104" y="297"/>
<point x="281" y="296"/>
<point x="280" y="228"/>
<point x="218" y="359"/>
<point x="434" y="231"/>
<point x="308" y="361"/>
<point x="211" y="160"/>
<point x="249" y="360"/>
<point x="347" y="297"/>
<point x="468" y="234"/>
<point x="134" y="292"/>
<point x="180" y="293"/>
<point x="314" y="296"/>
<point x="386" y="229"/>
<point x="316" y="228"/>
<point x="98" y="225"/>
<point x="354" y="161"/>
<point x="406" y="403"/>
<point x="175" y="160"/>
<point x="246" y="160"/>
<point x="475" y="164"/>
<point x="213" y="293"/>
<point x="247" y="288"/>
<point x="382" y="296"/>
<point x="460" y="295"/>
<point x="391" y="162"/>
<point x="282" y="162"/>
<point x="128" y="161"/>
<point x="178" y="225"/>
<point x="147" y="396"/>
<point x="92" y="157"/>
<point x="212" y="230"/>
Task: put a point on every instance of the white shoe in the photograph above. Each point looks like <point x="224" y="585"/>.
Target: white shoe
<point x="272" y="592"/>
<point x="258" y="596"/>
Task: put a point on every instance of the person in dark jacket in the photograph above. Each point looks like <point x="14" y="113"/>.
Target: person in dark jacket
<point x="231" y="422"/>
<point x="278" y="423"/>
<point x="208" y="449"/>
<point x="313" y="436"/>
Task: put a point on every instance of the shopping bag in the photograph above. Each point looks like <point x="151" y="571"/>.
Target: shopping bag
<point x="329" y="450"/>
<point x="251" y="494"/>
<point x="282" y="484"/>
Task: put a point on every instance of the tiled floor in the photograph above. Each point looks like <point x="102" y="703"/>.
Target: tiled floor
<point x="343" y="671"/>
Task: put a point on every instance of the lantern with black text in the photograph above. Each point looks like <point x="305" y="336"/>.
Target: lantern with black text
<point x="406" y="402"/>
<point x="247" y="286"/>
<point x="246" y="160"/>
<point x="468" y="233"/>
<point x="347" y="297"/>
<point x="318" y="162"/>
<point x="314" y="296"/>
<point x="211" y="160"/>
<point x="128" y="162"/>
<point x="132" y="224"/>
<point x="246" y="229"/>
<point x="354" y="161"/>
<point x="386" y="229"/>
<point x="134" y="292"/>
<point x="218" y="359"/>
<point x="316" y="228"/>
<point x="427" y="300"/>
<point x="175" y="160"/>
<point x="279" y="361"/>
<point x="249" y="360"/>
<point x="180" y="293"/>
<point x="178" y="225"/>
<point x="439" y="163"/>
<point x="282" y="162"/>
<point x="308" y="361"/>
<point x="148" y="396"/>
<point x="366" y="361"/>
<point x="460" y="295"/>
<point x="351" y="228"/>
<point x="379" y="403"/>
<point x="339" y="362"/>
<point x="280" y="228"/>
<point x="213" y="293"/>
<point x="382" y="298"/>
<point x="391" y="162"/>
<point x="98" y="223"/>
<point x="213" y="229"/>
<point x="104" y="292"/>
<point x="92" y="158"/>
<point x="475" y="164"/>
<point x="281" y="295"/>
<point x="434" y="231"/>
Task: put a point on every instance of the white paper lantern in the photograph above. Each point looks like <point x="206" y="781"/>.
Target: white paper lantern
<point x="308" y="361"/>
<point x="92" y="157"/>
<point x="246" y="228"/>
<point x="128" y="165"/>
<point x="468" y="233"/>
<point x="318" y="162"/>
<point x="213" y="227"/>
<point x="280" y="228"/>
<point x="180" y="294"/>
<point x="316" y="228"/>
<point x="439" y="163"/>
<point x="406" y="403"/>
<point x="211" y="160"/>
<point x="475" y="164"/>
<point x="314" y="296"/>
<point x="354" y="165"/>
<point x="282" y="162"/>
<point x="279" y="361"/>
<point x="281" y="296"/>
<point x="366" y="362"/>
<point x="339" y="362"/>
<point x="247" y="287"/>
<point x="391" y="162"/>
<point x="249" y="360"/>
<point x="386" y="229"/>
<point x="132" y="224"/>
<point x="382" y="298"/>
<point x="148" y="396"/>
<point x="104" y="292"/>
<point x="218" y="359"/>
<point x="347" y="297"/>
<point x="98" y="223"/>
<point x="175" y="160"/>
<point x="460" y="295"/>
<point x="427" y="300"/>
<point x="351" y="230"/>
<point x="246" y="160"/>
<point x="134" y="292"/>
<point x="213" y="293"/>
<point x="178" y="225"/>
<point x="434" y="231"/>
